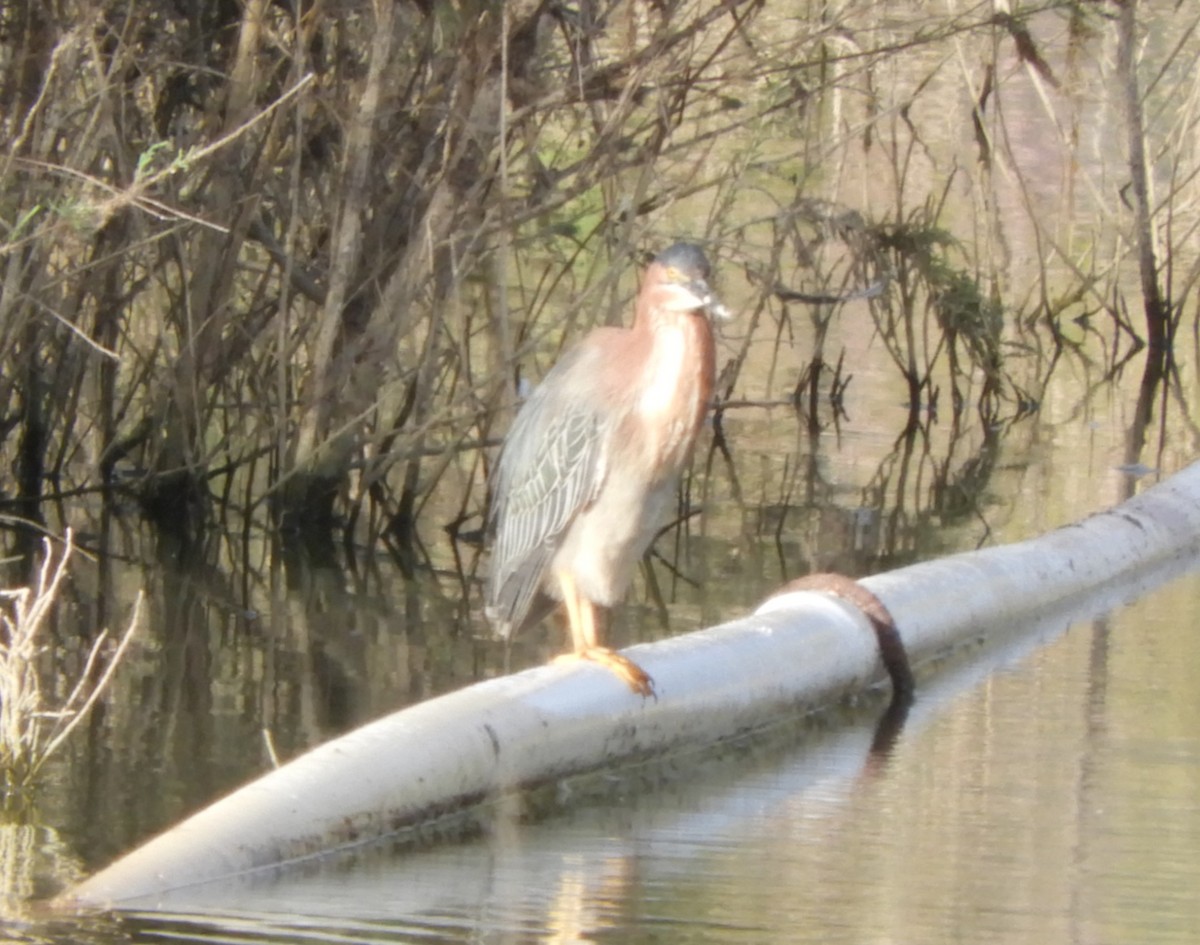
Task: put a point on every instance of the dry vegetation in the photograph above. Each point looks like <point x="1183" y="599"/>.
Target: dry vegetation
<point x="294" y="256"/>
<point x="33" y="723"/>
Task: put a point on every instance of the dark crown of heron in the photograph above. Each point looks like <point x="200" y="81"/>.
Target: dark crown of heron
<point x="684" y="262"/>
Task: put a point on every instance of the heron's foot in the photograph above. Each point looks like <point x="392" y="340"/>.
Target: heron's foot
<point x="625" y="669"/>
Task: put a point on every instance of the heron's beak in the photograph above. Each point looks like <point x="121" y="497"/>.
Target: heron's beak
<point x="713" y="306"/>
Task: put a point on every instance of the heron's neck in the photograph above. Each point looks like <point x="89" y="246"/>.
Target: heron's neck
<point x="676" y="356"/>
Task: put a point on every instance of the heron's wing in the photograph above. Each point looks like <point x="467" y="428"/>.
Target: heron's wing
<point x="551" y="467"/>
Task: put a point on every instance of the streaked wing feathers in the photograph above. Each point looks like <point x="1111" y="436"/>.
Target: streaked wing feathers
<point x="551" y="467"/>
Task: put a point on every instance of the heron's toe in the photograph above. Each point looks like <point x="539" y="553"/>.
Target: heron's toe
<point x="622" y="666"/>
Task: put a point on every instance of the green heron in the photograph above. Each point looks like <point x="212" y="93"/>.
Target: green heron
<point x="591" y="463"/>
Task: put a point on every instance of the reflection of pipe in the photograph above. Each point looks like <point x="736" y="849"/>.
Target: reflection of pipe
<point x="445" y="756"/>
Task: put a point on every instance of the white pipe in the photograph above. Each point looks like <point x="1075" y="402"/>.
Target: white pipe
<point x="367" y="886"/>
<point x="800" y="650"/>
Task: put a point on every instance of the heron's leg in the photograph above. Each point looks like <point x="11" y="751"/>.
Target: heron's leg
<point x="587" y="623"/>
<point x="581" y="616"/>
<point x="574" y="604"/>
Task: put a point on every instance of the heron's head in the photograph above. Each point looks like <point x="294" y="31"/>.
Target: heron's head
<point x="683" y="271"/>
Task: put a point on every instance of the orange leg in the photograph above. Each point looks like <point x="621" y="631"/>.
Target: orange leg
<point x="575" y="619"/>
<point x="581" y="617"/>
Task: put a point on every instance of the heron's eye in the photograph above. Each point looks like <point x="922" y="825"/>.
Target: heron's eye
<point x="674" y="275"/>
